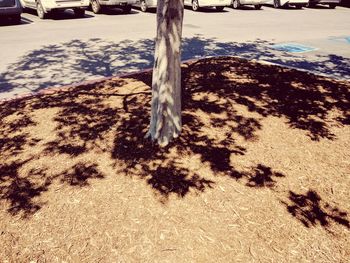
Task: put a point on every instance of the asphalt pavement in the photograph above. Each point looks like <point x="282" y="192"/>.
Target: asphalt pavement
<point x="64" y="50"/>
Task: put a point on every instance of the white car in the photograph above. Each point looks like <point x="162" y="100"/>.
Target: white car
<point x="256" y="3"/>
<point x="44" y="7"/>
<point x="98" y="5"/>
<point x="218" y="4"/>
<point x="146" y="4"/>
<point x="284" y="3"/>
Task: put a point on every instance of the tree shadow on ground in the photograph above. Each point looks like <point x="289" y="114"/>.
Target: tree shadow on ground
<point x="82" y="60"/>
<point x="109" y="120"/>
<point x="311" y="210"/>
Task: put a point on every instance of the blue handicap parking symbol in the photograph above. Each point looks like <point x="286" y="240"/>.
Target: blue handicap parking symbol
<point x="345" y="39"/>
<point x="293" y="48"/>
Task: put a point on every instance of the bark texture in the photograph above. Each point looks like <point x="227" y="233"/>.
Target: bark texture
<point x="166" y="83"/>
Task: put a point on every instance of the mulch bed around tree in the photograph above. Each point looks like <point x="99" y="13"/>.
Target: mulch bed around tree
<point x="261" y="172"/>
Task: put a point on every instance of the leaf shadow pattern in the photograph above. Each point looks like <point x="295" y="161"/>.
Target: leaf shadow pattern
<point x="19" y="191"/>
<point x="110" y="119"/>
<point x="311" y="210"/>
<point x="93" y="58"/>
<point x="80" y="173"/>
<point x="304" y="99"/>
<point x="12" y="134"/>
<point x="262" y="176"/>
<point x="23" y="192"/>
<point x="201" y="108"/>
<point x="143" y="159"/>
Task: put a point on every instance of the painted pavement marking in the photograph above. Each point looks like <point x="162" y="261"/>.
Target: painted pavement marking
<point x="293" y="48"/>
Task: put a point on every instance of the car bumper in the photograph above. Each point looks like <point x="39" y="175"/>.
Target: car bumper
<point x="253" y="2"/>
<point x="117" y="2"/>
<point x="65" y="4"/>
<point x="298" y="2"/>
<point x="326" y="1"/>
<point x="151" y="3"/>
<point x="204" y="3"/>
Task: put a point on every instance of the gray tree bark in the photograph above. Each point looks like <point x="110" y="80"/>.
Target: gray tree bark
<point x="165" y="121"/>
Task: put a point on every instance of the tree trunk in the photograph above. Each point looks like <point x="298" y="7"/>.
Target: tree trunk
<point x="166" y="83"/>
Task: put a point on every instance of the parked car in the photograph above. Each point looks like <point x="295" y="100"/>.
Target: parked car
<point x="345" y="3"/>
<point x="44" y="7"/>
<point x="218" y="4"/>
<point x="98" y="5"/>
<point x="144" y="5"/>
<point x="256" y="3"/>
<point x="284" y="3"/>
<point x="331" y="3"/>
<point x="11" y="9"/>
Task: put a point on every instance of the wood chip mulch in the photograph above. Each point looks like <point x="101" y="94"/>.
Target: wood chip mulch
<point x="261" y="172"/>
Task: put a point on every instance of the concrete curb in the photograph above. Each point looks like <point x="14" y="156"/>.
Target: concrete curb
<point x="52" y="90"/>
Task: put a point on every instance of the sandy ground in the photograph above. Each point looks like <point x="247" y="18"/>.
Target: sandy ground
<point x="259" y="174"/>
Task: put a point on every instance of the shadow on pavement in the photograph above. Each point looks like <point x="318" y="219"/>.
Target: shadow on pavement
<point x="79" y="60"/>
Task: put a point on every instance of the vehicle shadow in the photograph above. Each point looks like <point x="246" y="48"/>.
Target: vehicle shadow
<point x="246" y="8"/>
<point x="206" y="10"/>
<point x="319" y="6"/>
<point x="8" y="22"/>
<point x="58" y="15"/>
<point x="66" y="15"/>
<point x="151" y="10"/>
<point x="285" y="7"/>
<point x="117" y="11"/>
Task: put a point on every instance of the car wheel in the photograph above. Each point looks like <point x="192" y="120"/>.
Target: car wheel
<point x="257" y="7"/>
<point x="219" y="8"/>
<point x="16" y="19"/>
<point x="276" y="3"/>
<point x="126" y="9"/>
<point x="195" y="5"/>
<point x="143" y="6"/>
<point x="96" y="7"/>
<point x="40" y="10"/>
<point x="310" y="4"/>
<point x="332" y="6"/>
<point x="236" y="4"/>
<point x="79" y="12"/>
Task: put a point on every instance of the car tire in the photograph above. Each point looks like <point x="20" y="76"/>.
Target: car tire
<point x="257" y="7"/>
<point x="126" y="9"/>
<point x="143" y="6"/>
<point x="96" y="7"/>
<point x="195" y="5"/>
<point x="332" y="6"/>
<point x="16" y="19"/>
<point x="79" y="12"/>
<point x="40" y="10"/>
<point x="311" y="5"/>
<point x="219" y="8"/>
<point x="236" y="4"/>
<point x="276" y="4"/>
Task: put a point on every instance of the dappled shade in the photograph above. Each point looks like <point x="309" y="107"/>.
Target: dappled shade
<point x="87" y="133"/>
<point x="50" y="65"/>
<point x="311" y="210"/>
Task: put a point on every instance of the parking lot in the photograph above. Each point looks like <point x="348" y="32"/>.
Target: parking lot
<point x="63" y="49"/>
